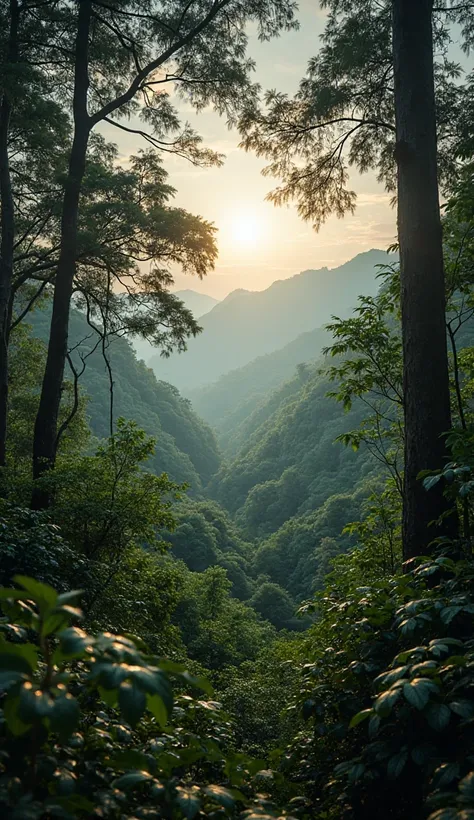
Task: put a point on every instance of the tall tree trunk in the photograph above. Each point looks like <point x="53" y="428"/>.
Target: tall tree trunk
<point x="426" y="382"/>
<point x="7" y="220"/>
<point x="45" y="433"/>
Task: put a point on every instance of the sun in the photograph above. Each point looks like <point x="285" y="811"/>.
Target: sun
<point x="245" y="229"/>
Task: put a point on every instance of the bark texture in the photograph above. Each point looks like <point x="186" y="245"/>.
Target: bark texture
<point x="426" y="382"/>
<point x="7" y="220"/>
<point x="45" y="433"/>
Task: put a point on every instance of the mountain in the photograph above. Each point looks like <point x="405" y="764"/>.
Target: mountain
<point x="248" y="324"/>
<point x="197" y="303"/>
<point x="234" y="396"/>
<point x="186" y="448"/>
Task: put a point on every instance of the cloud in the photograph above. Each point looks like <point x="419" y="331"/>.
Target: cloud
<point x="363" y="200"/>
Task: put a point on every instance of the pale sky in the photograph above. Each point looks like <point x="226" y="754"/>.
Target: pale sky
<point x="259" y="243"/>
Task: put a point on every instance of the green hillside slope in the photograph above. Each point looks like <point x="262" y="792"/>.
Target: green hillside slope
<point x="289" y="463"/>
<point x="232" y="398"/>
<point x="186" y="448"/>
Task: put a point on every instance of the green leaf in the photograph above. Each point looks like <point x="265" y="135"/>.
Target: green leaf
<point x="437" y="715"/>
<point x="132" y="702"/>
<point x="431" y="481"/>
<point x="21" y="657"/>
<point x="69" y="597"/>
<point x="9" y="677"/>
<point x="466" y="786"/>
<point x="445" y="774"/>
<point x="73" y="643"/>
<point x="386" y="701"/>
<point x="418" y="692"/>
<point x="449" y="613"/>
<point x="42" y="594"/>
<point x="396" y="764"/>
<point x="463" y="708"/>
<point x="225" y="797"/>
<point x="158" y="709"/>
<point x="35" y="704"/>
<point x="359" y="717"/>
<point x="188" y="801"/>
<point x="199" y="683"/>
<point x="356" y="772"/>
<point x="448" y="814"/>
<point x="131" y="779"/>
<point x="387" y="678"/>
<point x="10" y="712"/>
<point x="65" y="715"/>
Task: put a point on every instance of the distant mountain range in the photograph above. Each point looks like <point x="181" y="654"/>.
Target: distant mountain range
<point x="197" y="303"/>
<point x="248" y="324"/>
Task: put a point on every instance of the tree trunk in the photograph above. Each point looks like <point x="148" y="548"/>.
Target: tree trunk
<point x="45" y="433"/>
<point x="425" y="357"/>
<point x="7" y="220"/>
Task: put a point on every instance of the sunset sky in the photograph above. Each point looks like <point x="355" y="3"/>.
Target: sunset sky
<point x="259" y="243"/>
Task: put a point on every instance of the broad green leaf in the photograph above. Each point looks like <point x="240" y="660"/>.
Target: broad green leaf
<point x="131" y="779"/>
<point x="10" y="712"/>
<point x="199" y="683"/>
<point x="386" y="701"/>
<point x="69" y="597"/>
<point x="225" y="797"/>
<point x="359" y="717"/>
<point x="437" y="715"/>
<point x="356" y="772"/>
<point x="9" y="677"/>
<point x="65" y="715"/>
<point x="419" y="691"/>
<point x="35" y="703"/>
<point x="132" y="702"/>
<point x="158" y="709"/>
<point x="445" y="774"/>
<point x="73" y="643"/>
<point x="42" y="594"/>
<point x="188" y="801"/>
<point x="22" y="657"/>
<point x="463" y="708"/>
<point x="396" y="764"/>
<point x="466" y="786"/>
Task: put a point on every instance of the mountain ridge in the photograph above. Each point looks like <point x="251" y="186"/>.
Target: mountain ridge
<point x="248" y="324"/>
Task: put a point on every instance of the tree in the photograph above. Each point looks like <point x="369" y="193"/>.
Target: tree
<point x="7" y="220"/>
<point x="135" y="54"/>
<point x="367" y="105"/>
<point x="425" y="357"/>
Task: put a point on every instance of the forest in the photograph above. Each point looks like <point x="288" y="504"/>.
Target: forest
<point x="236" y="534"/>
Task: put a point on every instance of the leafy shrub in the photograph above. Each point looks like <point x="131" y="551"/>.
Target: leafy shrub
<point x="388" y="698"/>
<point x="91" y="726"/>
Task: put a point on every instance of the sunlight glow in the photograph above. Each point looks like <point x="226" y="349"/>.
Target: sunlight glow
<point x="245" y="229"/>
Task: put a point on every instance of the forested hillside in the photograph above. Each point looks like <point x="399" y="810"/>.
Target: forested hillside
<point x="186" y="448"/>
<point x="249" y="324"/>
<point x="233" y="397"/>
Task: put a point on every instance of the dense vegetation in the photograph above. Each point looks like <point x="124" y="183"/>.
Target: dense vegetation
<point x="278" y="625"/>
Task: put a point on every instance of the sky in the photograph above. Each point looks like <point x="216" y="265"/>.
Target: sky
<point x="259" y="243"/>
